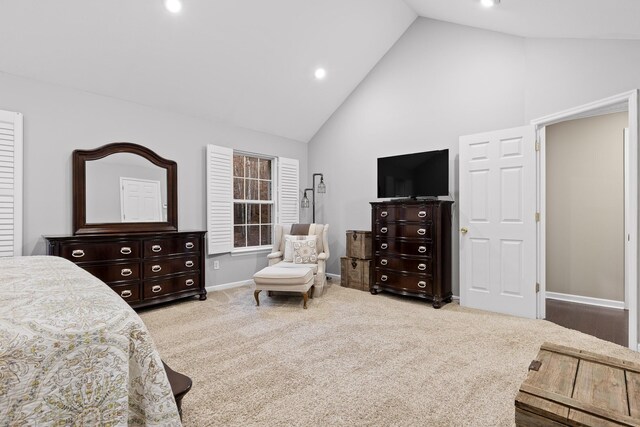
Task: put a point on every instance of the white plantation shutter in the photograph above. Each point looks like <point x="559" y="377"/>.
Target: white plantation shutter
<point x="219" y="199"/>
<point x="288" y="191"/>
<point x="10" y="184"/>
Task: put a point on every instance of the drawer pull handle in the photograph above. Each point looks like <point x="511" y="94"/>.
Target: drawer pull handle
<point x="189" y="263"/>
<point x="126" y="293"/>
<point x="422" y="249"/>
<point x="156" y="268"/>
<point x="156" y="248"/>
<point x="78" y="253"/>
<point x="384" y="278"/>
<point x="384" y="214"/>
<point x="422" y="214"/>
<point x="383" y="262"/>
<point x="422" y="267"/>
<point x="189" y="245"/>
<point x="422" y="284"/>
<point x="384" y="246"/>
<point x="125" y="250"/>
<point x="383" y="230"/>
<point x="422" y="231"/>
<point x="189" y="282"/>
<point x="126" y="272"/>
<point x="156" y="289"/>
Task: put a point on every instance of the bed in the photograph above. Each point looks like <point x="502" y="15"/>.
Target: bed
<point x="72" y="352"/>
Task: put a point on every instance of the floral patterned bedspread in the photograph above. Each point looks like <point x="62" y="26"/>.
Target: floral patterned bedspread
<point x="72" y="352"/>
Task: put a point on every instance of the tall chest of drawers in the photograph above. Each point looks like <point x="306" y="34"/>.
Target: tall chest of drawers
<point x="143" y="268"/>
<point x="412" y="249"/>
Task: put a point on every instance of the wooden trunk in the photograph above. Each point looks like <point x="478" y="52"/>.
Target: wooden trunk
<point x="359" y="244"/>
<point x="573" y="387"/>
<point x="355" y="273"/>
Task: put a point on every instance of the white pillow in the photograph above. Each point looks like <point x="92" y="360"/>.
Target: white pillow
<point x="304" y="251"/>
<point x="288" y="245"/>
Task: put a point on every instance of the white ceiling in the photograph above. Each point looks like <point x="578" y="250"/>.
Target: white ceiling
<point x="590" y="19"/>
<point x="250" y="63"/>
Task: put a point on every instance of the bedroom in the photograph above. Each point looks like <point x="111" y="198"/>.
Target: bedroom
<point x="400" y="79"/>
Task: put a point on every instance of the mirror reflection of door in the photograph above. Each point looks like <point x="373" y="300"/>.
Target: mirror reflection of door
<point x="140" y="200"/>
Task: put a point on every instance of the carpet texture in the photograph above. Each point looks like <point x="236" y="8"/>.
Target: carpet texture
<point x="350" y="359"/>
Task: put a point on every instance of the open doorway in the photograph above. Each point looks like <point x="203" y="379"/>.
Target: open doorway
<point x="585" y="227"/>
<point x="626" y="103"/>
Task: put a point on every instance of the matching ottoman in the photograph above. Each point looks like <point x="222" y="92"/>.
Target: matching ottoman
<point x="285" y="279"/>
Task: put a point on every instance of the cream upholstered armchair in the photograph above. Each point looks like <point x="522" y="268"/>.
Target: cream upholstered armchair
<point x="284" y="254"/>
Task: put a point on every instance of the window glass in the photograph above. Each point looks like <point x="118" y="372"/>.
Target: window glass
<point x="253" y="203"/>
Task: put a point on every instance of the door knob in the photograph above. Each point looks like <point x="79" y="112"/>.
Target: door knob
<point x="464" y="230"/>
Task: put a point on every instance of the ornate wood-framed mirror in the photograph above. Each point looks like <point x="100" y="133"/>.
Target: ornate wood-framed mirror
<point x="123" y="187"/>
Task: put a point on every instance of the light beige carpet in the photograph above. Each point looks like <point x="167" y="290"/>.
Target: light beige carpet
<point x="350" y="359"/>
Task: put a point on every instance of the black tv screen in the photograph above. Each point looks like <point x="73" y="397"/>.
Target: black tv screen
<point x="414" y="175"/>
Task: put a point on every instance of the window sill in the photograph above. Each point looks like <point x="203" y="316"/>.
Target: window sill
<point x="251" y="251"/>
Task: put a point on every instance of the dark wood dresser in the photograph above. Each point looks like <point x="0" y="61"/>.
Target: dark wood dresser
<point x="412" y="249"/>
<point x="143" y="268"/>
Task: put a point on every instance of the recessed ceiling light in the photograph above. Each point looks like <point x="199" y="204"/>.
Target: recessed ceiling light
<point x="489" y="3"/>
<point x="173" y="6"/>
<point x="320" y="73"/>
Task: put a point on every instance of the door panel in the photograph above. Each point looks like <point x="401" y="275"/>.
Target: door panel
<point x="497" y="220"/>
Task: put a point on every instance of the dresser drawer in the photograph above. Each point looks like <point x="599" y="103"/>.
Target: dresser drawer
<point x="164" y="266"/>
<point x="157" y="288"/>
<point x="404" y="230"/>
<point x="412" y="283"/>
<point x="404" y="213"/>
<point x="420" y="266"/>
<point x="129" y="292"/>
<point x="161" y="247"/>
<point x="115" y="272"/>
<point x="100" y="251"/>
<point x="390" y="247"/>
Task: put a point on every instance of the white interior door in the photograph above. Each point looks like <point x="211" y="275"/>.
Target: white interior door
<point x="140" y="200"/>
<point x="498" y="221"/>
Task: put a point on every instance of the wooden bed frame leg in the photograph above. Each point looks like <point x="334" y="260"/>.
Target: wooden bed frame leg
<point x="313" y="289"/>
<point x="306" y="298"/>
<point x="255" y="295"/>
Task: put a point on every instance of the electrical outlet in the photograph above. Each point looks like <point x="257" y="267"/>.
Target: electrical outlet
<point x="216" y="265"/>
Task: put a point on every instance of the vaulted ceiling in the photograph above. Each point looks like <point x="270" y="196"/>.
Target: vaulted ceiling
<point x="250" y="63"/>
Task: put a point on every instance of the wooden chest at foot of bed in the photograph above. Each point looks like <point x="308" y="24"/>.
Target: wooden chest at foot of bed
<point x="573" y="387"/>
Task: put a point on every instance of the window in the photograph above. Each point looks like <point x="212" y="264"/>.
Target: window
<point x="253" y="201"/>
<point x="246" y="195"/>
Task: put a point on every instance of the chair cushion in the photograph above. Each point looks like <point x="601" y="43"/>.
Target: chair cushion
<point x="283" y="276"/>
<point x="284" y="264"/>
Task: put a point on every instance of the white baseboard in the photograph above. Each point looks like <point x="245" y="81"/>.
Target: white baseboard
<point x="335" y="277"/>
<point x="586" y="300"/>
<point x="231" y="285"/>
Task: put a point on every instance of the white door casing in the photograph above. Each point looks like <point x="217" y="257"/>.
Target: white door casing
<point x="140" y="200"/>
<point x="498" y="221"/>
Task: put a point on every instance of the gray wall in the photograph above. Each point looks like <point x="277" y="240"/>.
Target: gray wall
<point x="585" y="207"/>
<point x="438" y="82"/>
<point x="58" y="120"/>
<point x="441" y="81"/>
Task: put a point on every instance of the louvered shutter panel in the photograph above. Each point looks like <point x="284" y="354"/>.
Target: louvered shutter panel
<point x="219" y="199"/>
<point x="10" y="184"/>
<point x="288" y="194"/>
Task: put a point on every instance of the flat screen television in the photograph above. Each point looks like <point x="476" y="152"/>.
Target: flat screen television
<point x="417" y="175"/>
